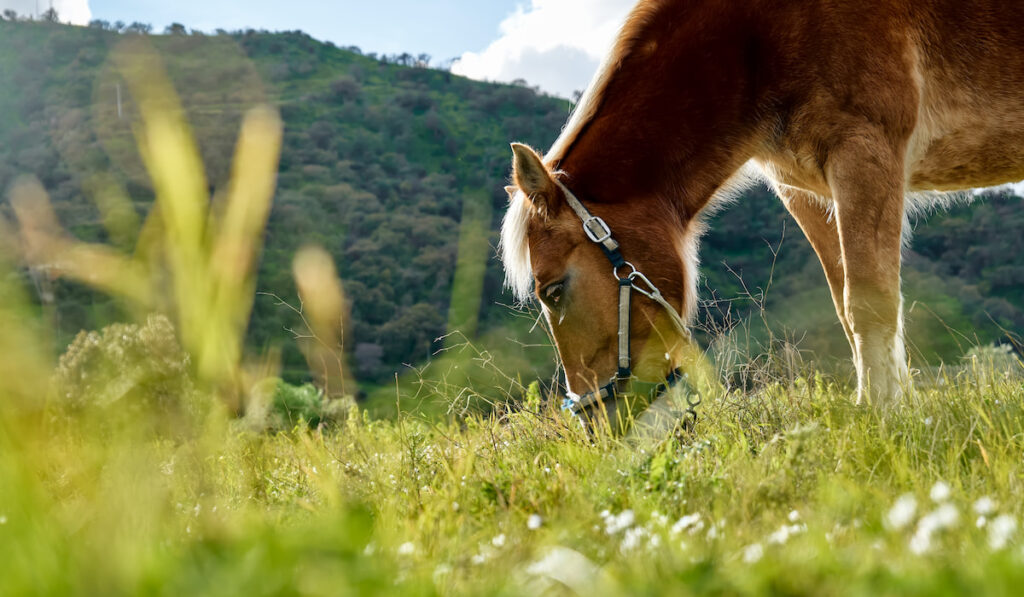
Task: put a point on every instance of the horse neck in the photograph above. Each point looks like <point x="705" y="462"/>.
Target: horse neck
<point x="671" y="126"/>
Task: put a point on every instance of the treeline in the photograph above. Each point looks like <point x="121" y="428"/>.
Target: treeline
<point x="382" y="159"/>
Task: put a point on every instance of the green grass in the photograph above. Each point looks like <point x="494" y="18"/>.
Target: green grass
<point x="93" y="503"/>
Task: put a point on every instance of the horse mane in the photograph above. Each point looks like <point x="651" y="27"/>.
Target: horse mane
<point x="515" y="249"/>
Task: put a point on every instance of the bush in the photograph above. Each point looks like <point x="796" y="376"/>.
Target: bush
<point x="278" y="406"/>
<point x="125" y="364"/>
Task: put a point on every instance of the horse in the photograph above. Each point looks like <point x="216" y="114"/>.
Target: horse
<point x="855" y="112"/>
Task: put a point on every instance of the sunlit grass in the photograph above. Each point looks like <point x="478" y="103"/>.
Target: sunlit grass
<point x="788" y="488"/>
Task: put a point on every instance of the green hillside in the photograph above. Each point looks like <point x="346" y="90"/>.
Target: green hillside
<point x="385" y="166"/>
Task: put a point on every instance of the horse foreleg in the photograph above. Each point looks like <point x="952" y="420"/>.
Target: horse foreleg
<point x="820" y="229"/>
<point x="867" y="180"/>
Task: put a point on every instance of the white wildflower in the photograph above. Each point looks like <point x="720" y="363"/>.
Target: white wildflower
<point x="928" y="422"/>
<point x="782" y="535"/>
<point x="441" y="571"/>
<point x="921" y="543"/>
<point x="902" y="512"/>
<point x="981" y="521"/>
<point x="407" y="549"/>
<point x="614" y="524"/>
<point x="685" y="523"/>
<point x="940" y="492"/>
<point x="455" y="506"/>
<point x="632" y="539"/>
<point x="534" y="521"/>
<point x="794" y="516"/>
<point x="568" y="567"/>
<point x="480" y="558"/>
<point x="944" y="517"/>
<point x="985" y="506"/>
<point x="753" y="553"/>
<point x="1001" y="531"/>
<point x="499" y="540"/>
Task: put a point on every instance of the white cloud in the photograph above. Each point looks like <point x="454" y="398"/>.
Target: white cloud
<point x="70" y="11"/>
<point x="555" y="44"/>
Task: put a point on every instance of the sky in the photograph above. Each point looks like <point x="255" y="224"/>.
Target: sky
<point x="554" y="44"/>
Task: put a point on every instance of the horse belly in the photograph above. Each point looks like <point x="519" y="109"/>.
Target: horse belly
<point x="967" y="136"/>
<point x="961" y="151"/>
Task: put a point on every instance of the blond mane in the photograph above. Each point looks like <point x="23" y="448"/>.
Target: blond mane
<point x="515" y="249"/>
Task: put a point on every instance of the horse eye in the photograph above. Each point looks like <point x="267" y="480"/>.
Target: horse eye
<point x="552" y="293"/>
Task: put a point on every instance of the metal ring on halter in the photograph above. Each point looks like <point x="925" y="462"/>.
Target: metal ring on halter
<point x="615" y="271"/>
<point x="652" y="290"/>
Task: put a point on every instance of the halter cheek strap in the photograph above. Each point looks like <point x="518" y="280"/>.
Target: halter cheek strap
<point x="600" y="234"/>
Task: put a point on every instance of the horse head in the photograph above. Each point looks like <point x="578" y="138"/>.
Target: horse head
<point x="554" y="247"/>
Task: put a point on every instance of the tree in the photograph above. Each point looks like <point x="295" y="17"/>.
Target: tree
<point x="139" y="28"/>
<point x="99" y="24"/>
<point x="10" y="15"/>
<point x="51" y="16"/>
<point x="176" y="29"/>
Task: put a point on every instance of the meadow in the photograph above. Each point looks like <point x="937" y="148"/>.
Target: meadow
<point x="160" y="456"/>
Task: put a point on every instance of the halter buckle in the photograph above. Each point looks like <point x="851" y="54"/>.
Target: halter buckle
<point x="599" y="234"/>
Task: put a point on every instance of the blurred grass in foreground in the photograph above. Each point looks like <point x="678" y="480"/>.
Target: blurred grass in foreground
<point x="122" y="471"/>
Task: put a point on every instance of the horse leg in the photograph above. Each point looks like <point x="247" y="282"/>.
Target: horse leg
<point x="866" y="175"/>
<point x="820" y="229"/>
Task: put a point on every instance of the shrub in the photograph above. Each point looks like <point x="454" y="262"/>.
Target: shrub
<point x="125" y="364"/>
<point x="275" y="405"/>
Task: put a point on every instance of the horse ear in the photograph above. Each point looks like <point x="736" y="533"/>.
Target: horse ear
<point x="533" y="178"/>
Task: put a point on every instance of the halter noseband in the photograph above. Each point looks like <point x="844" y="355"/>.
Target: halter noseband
<point x="600" y="234"/>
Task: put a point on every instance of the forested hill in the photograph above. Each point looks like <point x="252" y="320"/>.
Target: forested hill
<point x="381" y="163"/>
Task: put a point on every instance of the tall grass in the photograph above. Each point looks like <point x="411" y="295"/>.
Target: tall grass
<point x="123" y="469"/>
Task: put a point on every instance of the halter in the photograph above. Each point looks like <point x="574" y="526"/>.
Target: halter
<point x="600" y="234"/>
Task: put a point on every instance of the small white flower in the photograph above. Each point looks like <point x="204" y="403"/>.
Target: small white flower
<point x="985" y="506"/>
<point x="981" y="522"/>
<point x="753" y="553"/>
<point x="614" y="524"/>
<point x="944" y="517"/>
<point x="499" y="540"/>
<point x="631" y="539"/>
<point x="794" y="516"/>
<point x="921" y="543"/>
<point x="407" y="549"/>
<point x="940" y="492"/>
<point x="455" y="506"/>
<point x="441" y="571"/>
<point x="534" y="521"/>
<point x="782" y="535"/>
<point x="928" y="421"/>
<point x="685" y="523"/>
<point x="902" y="512"/>
<point x="1001" y="531"/>
<point x="480" y="558"/>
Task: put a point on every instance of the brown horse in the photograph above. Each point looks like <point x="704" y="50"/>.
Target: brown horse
<point x="849" y="108"/>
